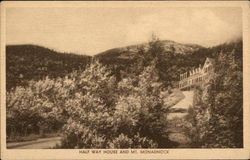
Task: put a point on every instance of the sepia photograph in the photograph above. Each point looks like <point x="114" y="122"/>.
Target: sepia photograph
<point x="121" y="75"/>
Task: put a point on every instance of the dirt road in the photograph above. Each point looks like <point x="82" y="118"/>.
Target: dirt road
<point x="183" y="104"/>
<point x="42" y="143"/>
<point x="177" y="118"/>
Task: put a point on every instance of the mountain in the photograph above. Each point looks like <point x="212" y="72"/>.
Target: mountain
<point x="171" y="58"/>
<point x="32" y="62"/>
<point x="132" y="59"/>
<point x="129" y="52"/>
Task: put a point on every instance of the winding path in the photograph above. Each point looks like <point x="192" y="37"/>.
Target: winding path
<point x="42" y="143"/>
<point x="183" y="105"/>
<point x="177" y="118"/>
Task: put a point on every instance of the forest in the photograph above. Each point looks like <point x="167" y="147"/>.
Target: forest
<point x="114" y="99"/>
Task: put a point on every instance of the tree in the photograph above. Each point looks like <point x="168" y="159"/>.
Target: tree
<point x="218" y="114"/>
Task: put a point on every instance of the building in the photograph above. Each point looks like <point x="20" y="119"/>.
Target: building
<point x="197" y="76"/>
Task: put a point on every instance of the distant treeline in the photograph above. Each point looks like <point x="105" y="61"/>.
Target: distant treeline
<point x="31" y="62"/>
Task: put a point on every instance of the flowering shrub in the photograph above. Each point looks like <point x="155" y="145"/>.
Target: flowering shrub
<point x="94" y="110"/>
<point x="32" y="109"/>
<point x="103" y="115"/>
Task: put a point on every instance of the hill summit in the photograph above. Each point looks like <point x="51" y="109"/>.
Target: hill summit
<point x="130" y="51"/>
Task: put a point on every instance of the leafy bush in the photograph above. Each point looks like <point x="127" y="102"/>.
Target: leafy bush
<point x="35" y="109"/>
<point x="100" y="119"/>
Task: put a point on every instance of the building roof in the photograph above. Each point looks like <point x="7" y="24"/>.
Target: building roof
<point x="210" y="60"/>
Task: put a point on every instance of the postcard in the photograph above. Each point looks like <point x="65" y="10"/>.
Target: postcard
<point x="125" y="80"/>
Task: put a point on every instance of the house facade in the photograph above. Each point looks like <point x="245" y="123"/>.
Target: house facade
<point x="197" y="76"/>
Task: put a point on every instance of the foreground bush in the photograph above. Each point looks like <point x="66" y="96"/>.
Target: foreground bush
<point x="35" y="109"/>
<point x="103" y="116"/>
<point x="92" y="109"/>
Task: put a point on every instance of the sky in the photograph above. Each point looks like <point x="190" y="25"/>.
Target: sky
<point x="90" y="30"/>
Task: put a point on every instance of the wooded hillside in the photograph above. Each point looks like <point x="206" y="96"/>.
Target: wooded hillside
<point x="32" y="62"/>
